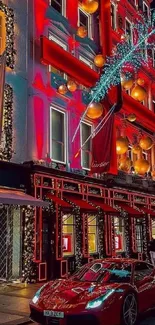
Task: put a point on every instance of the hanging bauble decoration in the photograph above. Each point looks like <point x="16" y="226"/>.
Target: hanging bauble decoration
<point x="62" y="89"/>
<point x="146" y="143"/>
<point x="153" y="174"/>
<point x="140" y="82"/>
<point x="99" y="60"/>
<point x="122" y="144"/>
<point x="141" y="166"/>
<point x="82" y="31"/>
<point x="124" y="164"/>
<point x="126" y="83"/>
<point x="95" y="110"/>
<point x="90" y="6"/>
<point x="136" y="149"/>
<point x="131" y="117"/>
<point x="71" y="85"/>
<point x="138" y="93"/>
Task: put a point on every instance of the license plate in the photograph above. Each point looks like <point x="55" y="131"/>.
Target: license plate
<point x="52" y="313"/>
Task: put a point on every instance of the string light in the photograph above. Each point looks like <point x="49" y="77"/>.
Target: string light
<point x="6" y="149"/>
<point x="10" y="50"/>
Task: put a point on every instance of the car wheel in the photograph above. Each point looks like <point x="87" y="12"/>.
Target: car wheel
<point x="130" y="309"/>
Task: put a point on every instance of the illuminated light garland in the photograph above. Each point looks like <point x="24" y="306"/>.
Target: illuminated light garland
<point x="10" y="50"/>
<point x="6" y="147"/>
<point x="29" y="268"/>
<point x="127" y="56"/>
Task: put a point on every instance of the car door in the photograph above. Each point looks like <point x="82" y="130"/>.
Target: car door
<point x="143" y="283"/>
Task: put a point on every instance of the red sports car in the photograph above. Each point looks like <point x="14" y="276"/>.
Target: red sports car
<point x="103" y="292"/>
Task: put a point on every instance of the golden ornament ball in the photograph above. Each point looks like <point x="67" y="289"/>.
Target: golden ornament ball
<point x="141" y="166"/>
<point x="90" y="6"/>
<point x="124" y="164"/>
<point x="95" y="110"/>
<point x="131" y="117"/>
<point x="62" y="89"/>
<point x="99" y="60"/>
<point x="146" y="143"/>
<point x="138" y="93"/>
<point x="122" y="144"/>
<point x="136" y="149"/>
<point x="153" y="174"/>
<point x="140" y="82"/>
<point x="127" y="83"/>
<point x="71" y="85"/>
<point x="82" y="31"/>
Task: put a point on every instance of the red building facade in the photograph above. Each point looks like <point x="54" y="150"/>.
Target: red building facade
<point x="89" y="216"/>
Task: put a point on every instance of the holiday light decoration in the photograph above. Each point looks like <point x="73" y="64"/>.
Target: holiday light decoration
<point x="146" y="143"/>
<point x="138" y="93"/>
<point x="10" y="50"/>
<point x="131" y="117"/>
<point x="99" y="60"/>
<point x="122" y="144"/>
<point x="82" y="31"/>
<point x="6" y="147"/>
<point x="71" y="85"/>
<point x="142" y="166"/>
<point x="124" y="164"/>
<point x="90" y="6"/>
<point x="140" y="82"/>
<point x="127" y="83"/>
<point x="128" y="56"/>
<point x="62" y="89"/>
<point x="95" y="110"/>
<point x="136" y="149"/>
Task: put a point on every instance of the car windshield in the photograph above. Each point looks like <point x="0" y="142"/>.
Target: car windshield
<point x="105" y="272"/>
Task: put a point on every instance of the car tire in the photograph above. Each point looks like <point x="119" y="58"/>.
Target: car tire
<point x="130" y="309"/>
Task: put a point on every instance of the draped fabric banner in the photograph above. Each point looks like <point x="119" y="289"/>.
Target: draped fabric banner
<point x="104" y="158"/>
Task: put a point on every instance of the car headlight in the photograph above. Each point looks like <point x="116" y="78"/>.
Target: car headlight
<point x="37" y="294"/>
<point x="98" y="302"/>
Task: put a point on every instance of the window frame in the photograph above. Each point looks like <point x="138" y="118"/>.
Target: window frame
<point x="74" y="233"/>
<point x="62" y="44"/>
<point x="148" y="11"/>
<point x="89" y="124"/>
<point x="65" y="134"/>
<point x="89" y="31"/>
<point x="94" y="217"/>
<point x="129" y="21"/>
<point x="86" y="61"/>
<point x="63" y="7"/>
<point x="113" y="18"/>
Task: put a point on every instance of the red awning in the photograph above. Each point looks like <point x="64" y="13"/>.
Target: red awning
<point x="105" y="207"/>
<point x="83" y="205"/>
<point x="130" y="210"/>
<point x="57" y="200"/>
<point x="8" y="196"/>
<point x="148" y="211"/>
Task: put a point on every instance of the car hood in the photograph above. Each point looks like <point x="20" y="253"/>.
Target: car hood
<point x="62" y="293"/>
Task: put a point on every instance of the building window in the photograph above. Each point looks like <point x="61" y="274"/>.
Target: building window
<point x="128" y="29"/>
<point x="59" y="5"/>
<point x="145" y="10"/>
<point x="84" y="20"/>
<point x="58" y="135"/>
<point x="65" y="47"/>
<point x="68" y="235"/>
<point x="113" y="16"/>
<point x="139" y="236"/>
<point x="153" y="58"/>
<point x="153" y="228"/>
<point x="86" y="130"/>
<point x="119" y="235"/>
<point x="86" y="61"/>
<point x="92" y="234"/>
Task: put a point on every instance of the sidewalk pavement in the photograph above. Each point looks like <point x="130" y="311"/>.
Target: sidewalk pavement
<point x="14" y="303"/>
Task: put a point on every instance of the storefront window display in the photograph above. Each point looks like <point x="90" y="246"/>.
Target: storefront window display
<point x="68" y="235"/>
<point x="92" y="234"/>
<point x="119" y="235"/>
<point x="139" y="236"/>
<point x="153" y="228"/>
